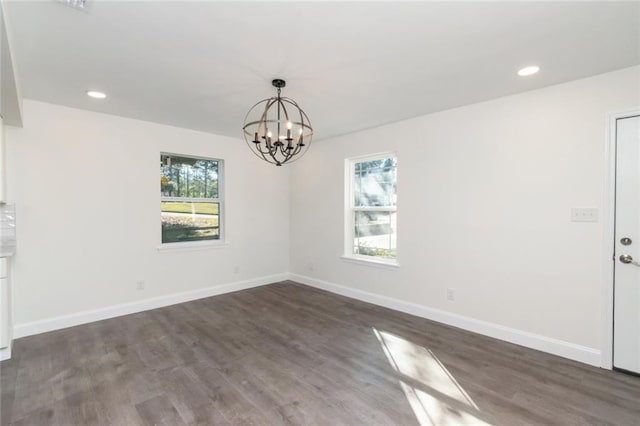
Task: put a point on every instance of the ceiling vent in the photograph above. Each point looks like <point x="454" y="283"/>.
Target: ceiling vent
<point x="76" y="4"/>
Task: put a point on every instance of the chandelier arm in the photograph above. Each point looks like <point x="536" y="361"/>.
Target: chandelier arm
<point x="291" y="154"/>
<point x="290" y="159"/>
<point x="286" y="157"/>
<point x="256" y="149"/>
<point x="299" y="152"/>
<point x="273" y="155"/>
<point x="267" y="150"/>
<point x="261" y="154"/>
<point x="302" y="153"/>
<point x="283" y="150"/>
<point x="259" y="149"/>
<point x="299" y="156"/>
<point x="297" y="149"/>
<point x="264" y="157"/>
<point x="269" y="155"/>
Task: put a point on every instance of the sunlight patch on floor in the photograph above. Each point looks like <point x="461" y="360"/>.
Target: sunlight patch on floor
<point x="430" y="388"/>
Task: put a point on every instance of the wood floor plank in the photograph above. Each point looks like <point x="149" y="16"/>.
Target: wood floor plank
<point x="287" y="354"/>
<point x="159" y="411"/>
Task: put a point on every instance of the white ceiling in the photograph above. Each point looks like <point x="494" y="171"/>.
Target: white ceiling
<point x="354" y="65"/>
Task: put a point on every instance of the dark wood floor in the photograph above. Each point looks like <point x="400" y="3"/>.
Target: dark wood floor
<point x="290" y="354"/>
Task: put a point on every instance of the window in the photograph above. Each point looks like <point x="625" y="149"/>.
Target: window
<point x="191" y="198"/>
<point x="371" y="215"/>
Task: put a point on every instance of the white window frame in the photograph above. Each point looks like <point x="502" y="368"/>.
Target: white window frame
<point x="221" y="241"/>
<point x="350" y="211"/>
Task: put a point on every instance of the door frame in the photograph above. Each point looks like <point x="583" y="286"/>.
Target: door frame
<point x="609" y="221"/>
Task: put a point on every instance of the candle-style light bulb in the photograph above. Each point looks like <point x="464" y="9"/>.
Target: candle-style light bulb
<point x="289" y="125"/>
<point x="269" y="134"/>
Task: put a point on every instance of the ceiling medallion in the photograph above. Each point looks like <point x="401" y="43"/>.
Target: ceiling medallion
<point x="277" y="129"/>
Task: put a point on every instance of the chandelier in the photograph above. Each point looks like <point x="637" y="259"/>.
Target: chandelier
<point x="277" y="129"/>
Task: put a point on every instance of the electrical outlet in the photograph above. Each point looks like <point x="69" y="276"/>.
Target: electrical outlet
<point x="451" y="294"/>
<point x="140" y="285"/>
<point x="236" y="270"/>
<point x="311" y="267"/>
<point x="579" y="214"/>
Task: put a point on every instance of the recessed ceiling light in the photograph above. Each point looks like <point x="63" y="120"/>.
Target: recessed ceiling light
<point x="96" y="95"/>
<point x="528" y="71"/>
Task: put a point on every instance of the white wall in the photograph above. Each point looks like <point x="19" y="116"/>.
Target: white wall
<point x="86" y="188"/>
<point x="484" y="195"/>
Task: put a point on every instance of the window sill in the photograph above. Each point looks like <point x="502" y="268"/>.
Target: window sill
<point x="375" y="263"/>
<point x="192" y="246"/>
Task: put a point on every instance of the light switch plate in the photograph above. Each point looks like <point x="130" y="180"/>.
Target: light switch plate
<point x="584" y="214"/>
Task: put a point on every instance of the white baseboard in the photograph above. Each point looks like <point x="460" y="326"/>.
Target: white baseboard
<point x="530" y="340"/>
<point x="57" y="323"/>
<point x="5" y="353"/>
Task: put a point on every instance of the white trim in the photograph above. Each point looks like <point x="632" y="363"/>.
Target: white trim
<point x="347" y="241"/>
<point x="5" y="353"/>
<point x="78" y="318"/>
<point x="371" y="261"/>
<point x="7" y="251"/>
<point x="561" y="348"/>
<point x="189" y="199"/>
<point x="392" y="209"/>
<point x="193" y="245"/>
<point x="220" y="200"/>
<point x="608" y="214"/>
<point x="372" y="157"/>
<point x="534" y="341"/>
<point x="350" y="208"/>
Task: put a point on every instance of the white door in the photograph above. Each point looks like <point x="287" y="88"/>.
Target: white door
<point x="5" y="326"/>
<point x="626" y="328"/>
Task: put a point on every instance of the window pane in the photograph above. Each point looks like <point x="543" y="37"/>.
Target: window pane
<point x="184" y="221"/>
<point x="188" y="177"/>
<point x="375" y="234"/>
<point x="375" y="183"/>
